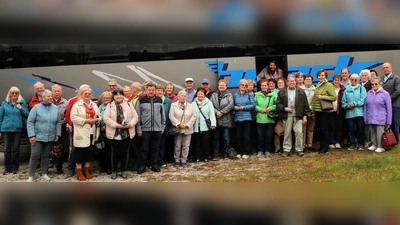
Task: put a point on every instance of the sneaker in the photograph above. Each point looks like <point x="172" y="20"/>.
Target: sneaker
<point x="301" y="154"/>
<point x="216" y="158"/>
<point x="245" y="156"/>
<point x="30" y="179"/>
<point x="367" y="144"/>
<point x="372" y="148"/>
<point x="45" y="177"/>
<point x="197" y="160"/>
<point x="380" y="150"/>
<point x="163" y="164"/>
<point x="285" y="154"/>
<point x="205" y="160"/>
<point x="176" y="164"/>
<point x="351" y="148"/>
<point x="360" y="148"/>
<point x="331" y="146"/>
<point x="6" y="172"/>
<point x="337" y="146"/>
<point x="70" y="173"/>
<point x="259" y="154"/>
<point x="183" y="164"/>
<point x="15" y="172"/>
<point x="226" y="156"/>
<point x="238" y="156"/>
<point x="267" y="154"/>
<point x="60" y="171"/>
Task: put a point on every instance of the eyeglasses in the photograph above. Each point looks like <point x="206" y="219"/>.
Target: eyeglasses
<point x="375" y="84"/>
<point x="244" y="85"/>
<point x="14" y="93"/>
<point x="354" y="79"/>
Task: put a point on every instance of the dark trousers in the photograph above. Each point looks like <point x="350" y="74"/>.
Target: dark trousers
<point x="136" y="144"/>
<point x="150" y="143"/>
<point x="202" y="144"/>
<point x="265" y="134"/>
<point x="217" y="133"/>
<point x="64" y="140"/>
<point x="243" y="137"/>
<point x="353" y="124"/>
<point x="335" y="128"/>
<point x="120" y="150"/>
<point x="395" y="121"/>
<point x="163" y="141"/>
<point x="105" y="155"/>
<point x="12" y="141"/>
<point x="322" y="128"/>
<point x="253" y="137"/>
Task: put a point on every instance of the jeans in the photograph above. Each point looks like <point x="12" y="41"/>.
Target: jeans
<point x="353" y="124"/>
<point x="202" y="144"/>
<point x="71" y="158"/>
<point x="12" y="141"/>
<point x="322" y="128"/>
<point x="39" y="149"/>
<point x="150" y="141"/>
<point x="335" y="128"/>
<point x="226" y="139"/>
<point x="265" y="134"/>
<point x="120" y="150"/>
<point x="243" y="137"/>
<point x="395" y="121"/>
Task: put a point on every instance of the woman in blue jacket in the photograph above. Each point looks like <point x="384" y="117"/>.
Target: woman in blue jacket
<point x="12" y="111"/>
<point x="44" y="128"/>
<point x="243" y="105"/>
<point x="353" y="101"/>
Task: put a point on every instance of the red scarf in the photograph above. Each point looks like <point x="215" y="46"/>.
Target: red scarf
<point x="90" y="113"/>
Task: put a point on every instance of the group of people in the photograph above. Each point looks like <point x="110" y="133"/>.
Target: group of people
<point x="146" y="125"/>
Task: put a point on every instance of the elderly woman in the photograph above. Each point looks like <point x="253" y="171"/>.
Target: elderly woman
<point x="202" y="131"/>
<point x="265" y="101"/>
<point x="105" y="156"/>
<point x="353" y="101"/>
<point x="308" y="127"/>
<point x="278" y="131"/>
<point x="12" y="112"/>
<point x="85" y="117"/>
<point x="337" y="118"/>
<point x="323" y="91"/>
<point x="120" y="118"/>
<point x="243" y="106"/>
<point x="253" y="128"/>
<point x="281" y="83"/>
<point x="127" y="91"/>
<point x="44" y="128"/>
<point x="365" y="77"/>
<point x="377" y="113"/>
<point x="182" y="116"/>
<point x="169" y="92"/>
<point x="373" y="73"/>
<point x="222" y="101"/>
<point x="164" y="136"/>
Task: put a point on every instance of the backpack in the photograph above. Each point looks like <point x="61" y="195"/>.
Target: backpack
<point x="231" y="153"/>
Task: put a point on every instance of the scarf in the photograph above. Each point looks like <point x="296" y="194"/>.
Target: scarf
<point x="90" y="113"/>
<point x="120" y="119"/>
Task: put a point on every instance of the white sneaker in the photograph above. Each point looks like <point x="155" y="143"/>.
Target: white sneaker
<point x="259" y="154"/>
<point x="380" y="150"/>
<point x="30" y="179"/>
<point x="331" y="146"/>
<point x="245" y="156"/>
<point x="238" y="156"/>
<point x="337" y="146"/>
<point x="45" y="177"/>
<point x="372" y="148"/>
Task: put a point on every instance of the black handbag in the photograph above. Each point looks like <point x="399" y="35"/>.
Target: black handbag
<point x="272" y="114"/>
<point x="208" y="121"/>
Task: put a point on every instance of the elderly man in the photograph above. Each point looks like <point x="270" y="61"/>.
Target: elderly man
<point x="391" y="84"/>
<point x="62" y="104"/>
<point x="38" y="87"/>
<point x="345" y="77"/>
<point x="112" y="84"/>
<point x="205" y="83"/>
<point x="293" y="106"/>
<point x="190" y="92"/>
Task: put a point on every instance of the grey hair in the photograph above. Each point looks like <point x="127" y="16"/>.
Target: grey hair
<point x="136" y="85"/>
<point x="112" y="80"/>
<point x="182" y="92"/>
<point x="366" y="71"/>
<point x="83" y="86"/>
<point x="38" y="83"/>
<point x="377" y="79"/>
<point x="55" y="86"/>
<point x="43" y="93"/>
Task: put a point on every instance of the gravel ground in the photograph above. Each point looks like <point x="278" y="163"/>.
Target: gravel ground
<point x="197" y="172"/>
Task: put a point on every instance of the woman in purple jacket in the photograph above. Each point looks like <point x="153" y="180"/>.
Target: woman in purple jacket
<point x="377" y="113"/>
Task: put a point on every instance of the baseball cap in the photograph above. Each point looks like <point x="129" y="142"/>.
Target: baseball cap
<point x="189" y="79"/>
<point x="207" y="81"/>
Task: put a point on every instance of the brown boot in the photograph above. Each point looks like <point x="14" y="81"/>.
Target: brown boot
<point x="79" y="175"/>
<point x="86" y="173"/>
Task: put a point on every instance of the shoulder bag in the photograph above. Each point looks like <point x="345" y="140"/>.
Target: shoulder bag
<point x="325" y="104"/>
<point x="272" y="114"/>
<point x="174" y="130"/>
<point x="208" y="121"/>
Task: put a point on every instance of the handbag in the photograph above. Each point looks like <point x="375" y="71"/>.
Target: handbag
<point x="174" y="130"/>
<point x="325" y="104"/>
<point x="388" y="139"/>
<point x="272" y="114"/>
<point x="208" y="121"/>
<point x="56" y="150"/>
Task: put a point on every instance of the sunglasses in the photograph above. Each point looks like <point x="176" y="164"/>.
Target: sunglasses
<point x="354" y="79"/>
<point x="245" y="85"/>
<point x="375" y="84"/>
<point x="14" y="93"/>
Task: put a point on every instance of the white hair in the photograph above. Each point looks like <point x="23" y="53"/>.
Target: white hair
<point x="366" y="71"/>
<point x="354" y="75"/>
